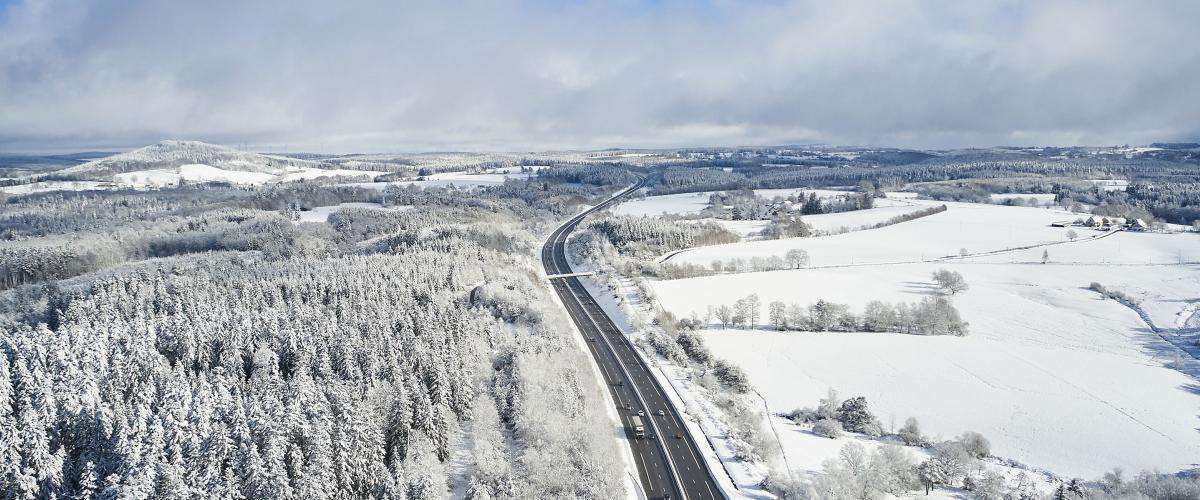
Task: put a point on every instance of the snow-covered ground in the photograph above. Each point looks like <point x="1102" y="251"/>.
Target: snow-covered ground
<point x="834" y="222"/>
<point x="295" y="174"/>
<point x="677" y="204"/>
<point x="885" y="209"/>
<point x="747" y="229"/>
<point x="172" y="154"/>
<point x="977" y="228"/>
<point x="321" y="214"/>
<point x="48" y="186"/>
<point x="169" y="163"/>
<point x="193" y="173"/>
<point x="693" y="203"/>
<point x="1055" y="376"/>
<point x="445" y="179"/>
<point x="162" y="177"/>
<point x="1111" y="184"/>
<point x="806" y="453"/>
<point x="516" y="169"/>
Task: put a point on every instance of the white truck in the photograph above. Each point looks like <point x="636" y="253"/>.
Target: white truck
<point x="639" y="428"/>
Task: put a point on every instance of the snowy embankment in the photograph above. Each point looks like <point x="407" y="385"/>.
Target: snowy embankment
<point x="1056" y="376"/>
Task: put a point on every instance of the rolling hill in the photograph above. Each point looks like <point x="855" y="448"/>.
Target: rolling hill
<point x="173" y="154"/>
<point x="171" y="162"/>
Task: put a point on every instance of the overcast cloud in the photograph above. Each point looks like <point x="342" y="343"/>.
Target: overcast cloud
<point x="393" y="76"/>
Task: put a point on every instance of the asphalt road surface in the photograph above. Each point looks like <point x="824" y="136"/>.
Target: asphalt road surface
<point x="669" y="462"/>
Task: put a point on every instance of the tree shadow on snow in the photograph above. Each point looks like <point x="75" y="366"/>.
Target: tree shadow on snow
<point x="1173" y="357"/>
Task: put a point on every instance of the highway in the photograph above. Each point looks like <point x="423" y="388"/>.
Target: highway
<point x="669" y="462"/>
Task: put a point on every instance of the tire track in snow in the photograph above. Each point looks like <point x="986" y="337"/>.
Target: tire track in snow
<point x="1090" y="395"/>
<point x="975" y="375"/>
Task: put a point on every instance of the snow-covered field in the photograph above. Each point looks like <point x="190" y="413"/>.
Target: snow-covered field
<point x="163" y="177"/>
<point x="1055" y="376"/>
<point x="806" y="453"/>
<point x="194" y="172"/>
<point x="48" y="186"/>
<point x="677" y="204"/>
<point x="834" y="222"/>
<point x="693" y="203"/>
<point x="446" y="179"/>
<point x="853" y="220"/>
<point x="321" y="214"/>
<point x="744" y="228"/>
<point x="295" y="174"/>
<point x="514" y="169"/>
<point x="977" y="228"/>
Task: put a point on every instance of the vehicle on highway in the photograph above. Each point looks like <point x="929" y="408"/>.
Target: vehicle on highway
<point x="639" y="429"/>
<point x="662" y="412"/>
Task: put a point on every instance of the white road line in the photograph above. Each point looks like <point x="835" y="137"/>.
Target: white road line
<point x="643" y="467"/>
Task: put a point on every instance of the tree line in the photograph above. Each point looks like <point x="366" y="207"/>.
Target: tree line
<point x="929" y="316"/>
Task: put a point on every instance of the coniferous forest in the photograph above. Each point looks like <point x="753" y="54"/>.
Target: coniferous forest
<point x="203" y="342"/>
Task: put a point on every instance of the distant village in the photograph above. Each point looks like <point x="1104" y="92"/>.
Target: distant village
<point x="1101" y="223"/>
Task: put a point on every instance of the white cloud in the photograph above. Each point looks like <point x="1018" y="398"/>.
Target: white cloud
<point x="515" y="75"/>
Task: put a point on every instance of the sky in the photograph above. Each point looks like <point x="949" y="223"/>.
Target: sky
<point x="517" y="76"/>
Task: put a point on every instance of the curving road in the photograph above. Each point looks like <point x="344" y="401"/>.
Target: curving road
<point x="669" y="462"/>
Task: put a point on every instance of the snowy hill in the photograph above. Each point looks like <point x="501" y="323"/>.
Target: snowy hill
<point x="175" y="154"/>
<point x="170" y="162"/>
